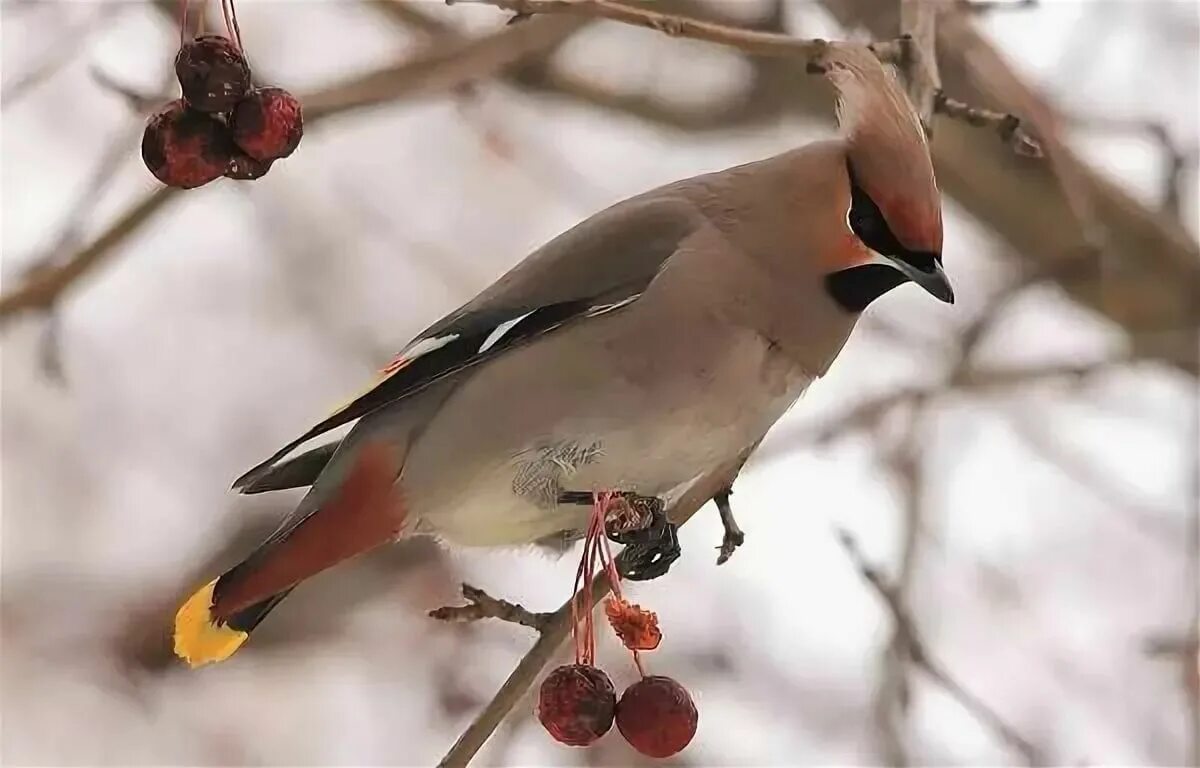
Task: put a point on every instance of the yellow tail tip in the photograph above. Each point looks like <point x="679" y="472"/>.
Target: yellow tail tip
<point x="199" y="638"/>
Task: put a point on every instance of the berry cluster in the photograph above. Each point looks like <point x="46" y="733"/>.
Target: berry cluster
<point x="223" y="125"/>
<point x="577" y="703"/>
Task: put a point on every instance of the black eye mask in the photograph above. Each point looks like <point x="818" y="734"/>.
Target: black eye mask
<point x="867" y="223"/>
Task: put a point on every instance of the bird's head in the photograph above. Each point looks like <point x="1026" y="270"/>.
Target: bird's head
<point x="893" y="208"/>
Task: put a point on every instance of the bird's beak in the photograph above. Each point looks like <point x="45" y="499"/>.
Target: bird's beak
<point x="929" y="276"/>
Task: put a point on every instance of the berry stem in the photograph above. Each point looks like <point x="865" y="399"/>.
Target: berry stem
<point x="229" y="11"/>
<point x="183" y="21"/>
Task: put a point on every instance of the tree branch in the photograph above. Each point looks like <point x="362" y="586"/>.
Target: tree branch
<point x="748" y="40"/>
<point x="919" y="656"/>
<point x="918" y="25"/>
<point x="481" y="605"/>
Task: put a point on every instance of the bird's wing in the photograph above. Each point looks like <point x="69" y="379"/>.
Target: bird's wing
<point x="599" y="266"/>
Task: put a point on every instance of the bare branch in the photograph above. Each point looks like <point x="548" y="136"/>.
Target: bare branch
<point x="919" y="655"/>
<point x="748" y="40"/>
<point x="1006" y="125"/>
<point x="481" y="605"/>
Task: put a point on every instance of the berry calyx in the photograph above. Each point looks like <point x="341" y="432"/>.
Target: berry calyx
<point x="656" y="716"/>
<point x="184" y="148"/>
<point x="268" y="123"/>
<point x="576" y="704"/>
<point x="212" y="72"/>
<point x="637" y="627"/>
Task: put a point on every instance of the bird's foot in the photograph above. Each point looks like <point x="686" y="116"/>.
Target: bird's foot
<point x="651" y="558"/>
<point x="734" y="537"/>
<point x="640" y="524"/>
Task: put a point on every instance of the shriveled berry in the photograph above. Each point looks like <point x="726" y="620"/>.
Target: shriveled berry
<point x="576" y="703"/>
<point x="637" y="627"/>
<point x="184" y="148"/>
<point x="212" y="72"/>
<point x="656" y="716"/>
<point x="245" y="168"/>
<point x="268" y="123"/>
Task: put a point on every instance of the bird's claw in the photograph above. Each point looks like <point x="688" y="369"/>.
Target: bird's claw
<point x="649" y="559"/>
<point x="650" y="540"/>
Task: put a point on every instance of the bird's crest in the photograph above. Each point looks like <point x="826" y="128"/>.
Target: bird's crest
<point x="886" y="143"/>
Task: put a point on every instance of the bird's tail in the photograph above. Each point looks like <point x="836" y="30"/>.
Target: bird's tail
<point x="365" y="511"/>
<point x="201" y="638"/>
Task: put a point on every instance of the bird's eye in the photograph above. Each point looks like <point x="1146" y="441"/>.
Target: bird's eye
<point x="867" y="223"/>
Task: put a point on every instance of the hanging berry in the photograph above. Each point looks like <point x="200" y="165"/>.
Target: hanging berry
<point x="656" y="716"/>
<point x="576" y="704"/>
<point x="267" y="124"/>
<point x="184" y="148"/>
<point x="213" y="73"/>
<point x="223" y="126"/>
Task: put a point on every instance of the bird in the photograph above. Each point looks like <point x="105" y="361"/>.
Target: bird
<point x="649" y="343"/>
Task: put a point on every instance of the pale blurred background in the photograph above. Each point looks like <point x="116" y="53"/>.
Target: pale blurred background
<point x="1021" y="466"/>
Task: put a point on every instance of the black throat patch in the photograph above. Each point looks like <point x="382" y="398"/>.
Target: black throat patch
<point x="855" y="288"/>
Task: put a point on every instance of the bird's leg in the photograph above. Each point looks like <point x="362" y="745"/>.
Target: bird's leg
<point x="734" y="537"/>
<point x="640" y="523"/>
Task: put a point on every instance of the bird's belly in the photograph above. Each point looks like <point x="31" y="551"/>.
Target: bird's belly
<point x="513" y="500"/>
<point x="486" y="475"/>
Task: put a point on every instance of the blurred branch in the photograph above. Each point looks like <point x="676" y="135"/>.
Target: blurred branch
<point x="438" y="69"/>
<point x="69" y="44"/>
<point x="43" y="286"/>
<point x="1176" y="159"/>
<point x="441" y="68"/>
<point x="481" y="605"/>
<point x="766" y="98"/>
<point x="894" y="694"/>
<point x="918" y="62"/>
<point x="987" y="6"/>
<point x="1036" y="430"/>
<point x="558" y="625"/>
<point x="918" y="655"/>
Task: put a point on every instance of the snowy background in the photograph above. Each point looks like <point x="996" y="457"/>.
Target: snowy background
<point x="1048" y="557"/>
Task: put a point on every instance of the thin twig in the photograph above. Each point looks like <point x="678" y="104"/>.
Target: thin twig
<point x="1006" y="125"/>
<point x="481" y="605"/>
<point x="558" y="626"/>
<point x="920" y="657"/>
<point x="748" y="40"/>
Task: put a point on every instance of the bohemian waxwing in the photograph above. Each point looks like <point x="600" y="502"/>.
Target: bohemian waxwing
<point x="653" y="341"/>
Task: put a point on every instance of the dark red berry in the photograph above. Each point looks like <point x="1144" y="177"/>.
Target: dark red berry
<point x="656" y="716"/>
<point x="184" y="148"/>
<point x="245" y="168"/>
<point x="575" y="704"/>
<point x="268" y="123"/>
<point x="213" y="73"/>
